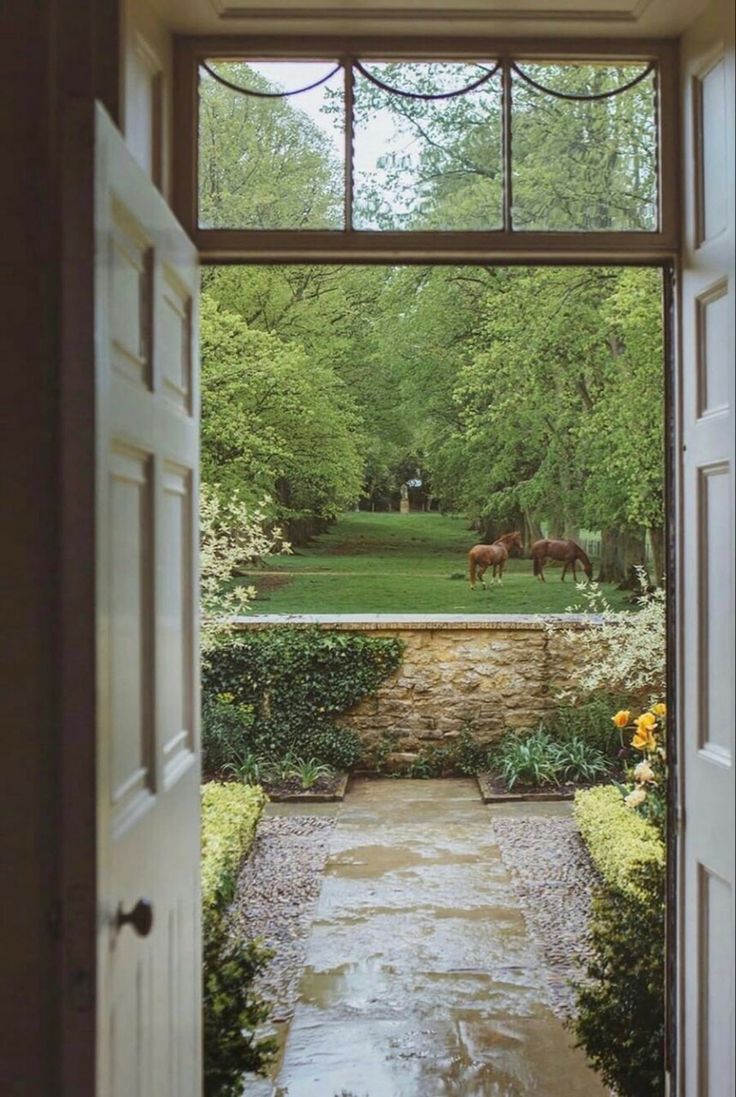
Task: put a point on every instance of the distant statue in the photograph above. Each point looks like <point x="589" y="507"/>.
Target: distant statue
<point x="404" y="491"/>
<point x="404" y="505"/>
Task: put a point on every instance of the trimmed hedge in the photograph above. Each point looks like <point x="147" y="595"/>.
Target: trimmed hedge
<point x="230" y="814"/>
<point x="232" y="1011"/>
<point x="620" y="1005"/>
<point x="619" y="840"/>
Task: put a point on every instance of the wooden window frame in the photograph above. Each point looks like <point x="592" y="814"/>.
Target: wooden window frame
<point x="348" y="245"/>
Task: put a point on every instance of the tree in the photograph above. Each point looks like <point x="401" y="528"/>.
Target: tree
<point x="262" y="162"/>
<point x="276" y="424"/>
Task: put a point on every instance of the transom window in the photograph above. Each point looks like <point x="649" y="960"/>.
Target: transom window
<point x="492" y="149"/>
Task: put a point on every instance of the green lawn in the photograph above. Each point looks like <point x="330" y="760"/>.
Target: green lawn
<point x="401" y="563"/>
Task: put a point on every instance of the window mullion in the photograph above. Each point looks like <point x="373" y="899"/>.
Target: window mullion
<point x="506" y="143"/>
<point x="349" y="141"/>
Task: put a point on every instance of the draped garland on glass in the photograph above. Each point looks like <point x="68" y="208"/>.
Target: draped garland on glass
<point x="457" y="146"/>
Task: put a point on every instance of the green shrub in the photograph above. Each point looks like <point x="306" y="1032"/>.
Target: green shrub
<point x="536" y="758"/>
<point x="335" y="746"/>
<point x="308" y="771"/>
<point x="618" y="838"/>
<point x="231" y="1009"/>
<point x="230" y="814"/>
<point x="579" y="760"/>
<point x="526" y="758"/>
<point x="589" y="720"/>
<point x="467" y="755"/>
<point x="620" y="1006"/>
<point x="289" y="686"/>
<point x="226" y="731"/>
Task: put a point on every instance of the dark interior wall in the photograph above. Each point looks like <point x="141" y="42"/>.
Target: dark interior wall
<point x="50" y="49"/>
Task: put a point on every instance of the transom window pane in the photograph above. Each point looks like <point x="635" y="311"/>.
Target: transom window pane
<point x="271" y="161"/>
<point x="461" y="146"/>
<point x="428" y="163"/>
<point x="583" y="164"/>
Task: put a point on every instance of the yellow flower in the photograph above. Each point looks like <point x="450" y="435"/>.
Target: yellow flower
<point x="659" y="709"/>
<point x="638" y="796"/>
<point x="621" y="718"/>
<point x="644" y="738"/>
<point x="643" y="772"/>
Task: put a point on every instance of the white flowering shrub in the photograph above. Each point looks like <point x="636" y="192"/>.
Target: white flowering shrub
<point x="626" y="651"/>
<point x="232" y="535"/>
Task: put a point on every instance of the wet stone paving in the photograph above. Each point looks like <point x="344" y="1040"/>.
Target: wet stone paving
<point x="420" y="977"/>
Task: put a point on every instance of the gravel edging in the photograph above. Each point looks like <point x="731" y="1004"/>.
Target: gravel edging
<point x="554" y="879"/>
<point x="276" y="895"/>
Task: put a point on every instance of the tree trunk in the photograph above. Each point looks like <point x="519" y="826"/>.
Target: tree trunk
<point x="656" y="536"/>
<point x="634" y="556"/>
<point x="556" y="527"/>
<point x="611" y="569"/>
<point x="532" y="529"/>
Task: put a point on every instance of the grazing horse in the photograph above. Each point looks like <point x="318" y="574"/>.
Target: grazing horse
<point x="482" y="557"/>
<point x="566" y="551"/>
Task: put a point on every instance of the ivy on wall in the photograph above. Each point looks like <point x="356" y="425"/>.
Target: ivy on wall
<point x="282" y="690"/>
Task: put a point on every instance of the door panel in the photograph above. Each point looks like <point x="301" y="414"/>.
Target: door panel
<point x="146" y="284"/>
<point x="706" y="564"/>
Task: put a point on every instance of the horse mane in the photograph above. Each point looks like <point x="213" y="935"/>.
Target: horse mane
<point x="582" y="554"/>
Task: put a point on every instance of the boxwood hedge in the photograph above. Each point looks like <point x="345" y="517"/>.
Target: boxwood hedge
<point x="231" y="1009"/>
<point x="620" y="1004"/>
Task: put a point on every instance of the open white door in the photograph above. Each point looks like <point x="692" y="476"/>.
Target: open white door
<point x="706" y="564"/>
<point x="137" y="345"/>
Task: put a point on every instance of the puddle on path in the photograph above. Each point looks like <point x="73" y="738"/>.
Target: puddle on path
<point x="421" y="980"/>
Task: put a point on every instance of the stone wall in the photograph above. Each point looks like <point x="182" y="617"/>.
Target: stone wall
<point x="488" y="673"/>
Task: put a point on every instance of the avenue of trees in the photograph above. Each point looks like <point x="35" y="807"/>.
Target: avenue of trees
<point x="521" y="396"/>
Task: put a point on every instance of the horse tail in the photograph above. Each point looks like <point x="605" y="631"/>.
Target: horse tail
<point x="537" y="558"/>
<point x="471" y="567"/>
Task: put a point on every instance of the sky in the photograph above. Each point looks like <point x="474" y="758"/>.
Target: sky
<point x="381" y="134"/>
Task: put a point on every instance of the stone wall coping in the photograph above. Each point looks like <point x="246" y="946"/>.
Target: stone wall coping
<point x="438" y="622"/>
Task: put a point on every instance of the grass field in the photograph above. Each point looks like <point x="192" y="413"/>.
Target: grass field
<point x="402" y="563"/>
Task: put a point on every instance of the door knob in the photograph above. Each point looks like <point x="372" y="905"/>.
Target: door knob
<point x="140" y="917"/>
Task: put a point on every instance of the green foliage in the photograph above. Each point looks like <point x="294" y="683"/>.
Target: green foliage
<point x="263" y="163"/>
<point x="579" y="760"/>
<point x="527" y="758"/>
<point x="618" y="838"/>
<point x="230" y="815"/>
<point x="321" y="384"/>
<point x="248" y="768"/>
<point x="589" y="719"/>
<point x="274" y="423"/>
<point x="297" y="682"/>
<point x="620" y="1005"/>
<point x="308" y="771"/>
<point x="430" y="762"/>
<point x="226" y="731"/>
<point x="538" y="759"/>
<point x="231" y="1009"/>
<point x="467" y="755"/>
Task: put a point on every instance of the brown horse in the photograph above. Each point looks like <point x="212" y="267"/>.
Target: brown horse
<point x="566" y="551"/>
<point x="482" y="557"/>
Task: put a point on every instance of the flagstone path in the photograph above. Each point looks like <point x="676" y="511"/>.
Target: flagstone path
<point x="421" y="979"/>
